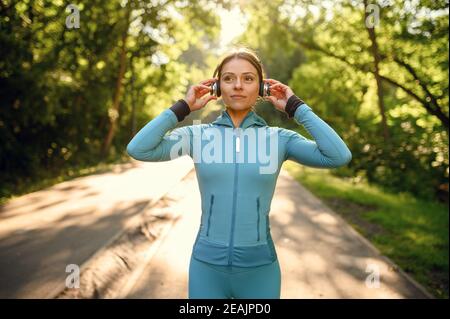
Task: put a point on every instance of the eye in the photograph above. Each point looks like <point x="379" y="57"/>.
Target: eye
<point x="249" y="78"/>
<point x="226" y="78"/>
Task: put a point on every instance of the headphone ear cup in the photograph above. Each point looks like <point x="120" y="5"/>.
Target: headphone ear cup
<point x="215" y="89"/>
<point x="218" y="88"/>
<point x="264" y="89"/>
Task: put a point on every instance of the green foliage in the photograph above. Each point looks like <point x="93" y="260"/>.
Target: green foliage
<point x="327" y="59"/>
<point x="57" y="84"/>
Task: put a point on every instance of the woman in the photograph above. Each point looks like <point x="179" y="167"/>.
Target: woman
<point x="234" y="255"/>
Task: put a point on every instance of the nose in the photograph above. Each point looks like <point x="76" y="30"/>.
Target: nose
<point x="237" y="83"/>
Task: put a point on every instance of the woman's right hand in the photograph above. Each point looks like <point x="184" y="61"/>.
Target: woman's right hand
<point x="195" y="92"/>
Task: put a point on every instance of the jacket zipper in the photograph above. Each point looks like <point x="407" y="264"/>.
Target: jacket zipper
<point x="257" y="210"/>
<point x="210" y="213"/>
<point x="233" y="216"/>
<point x="236" y="171"/>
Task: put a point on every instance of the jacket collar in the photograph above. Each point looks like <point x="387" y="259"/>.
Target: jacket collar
<point x="251" y="119"/>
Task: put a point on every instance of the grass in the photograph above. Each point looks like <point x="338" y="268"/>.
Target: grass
<point x="411" y="232"/>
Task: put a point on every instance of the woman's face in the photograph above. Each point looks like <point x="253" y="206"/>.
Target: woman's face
<point x="239" y="84"/>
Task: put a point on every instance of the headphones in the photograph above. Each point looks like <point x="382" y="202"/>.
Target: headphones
<point x="264" y="89"/>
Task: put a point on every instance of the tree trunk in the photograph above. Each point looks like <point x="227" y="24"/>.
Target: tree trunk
<point x="376" y="57"/>
<point x="133" y="98"/>
<point x="113" y="113"/>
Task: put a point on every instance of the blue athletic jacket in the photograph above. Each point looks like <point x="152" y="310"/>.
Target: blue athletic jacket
<point x="237" y="190"/>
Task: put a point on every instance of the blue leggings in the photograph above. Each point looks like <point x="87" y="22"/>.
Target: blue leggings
<point x="207" y="281"/>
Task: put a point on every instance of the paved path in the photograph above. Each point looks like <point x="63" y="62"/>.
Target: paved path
<point x="321" y="256"/>
<point x="42" y="232"/>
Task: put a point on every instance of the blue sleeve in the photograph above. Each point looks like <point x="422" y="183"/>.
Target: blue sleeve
<point x="153" y="144"/>
<point x="327" y="150"/>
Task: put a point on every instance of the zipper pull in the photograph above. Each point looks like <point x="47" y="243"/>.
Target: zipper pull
<point x="238" y="144"/>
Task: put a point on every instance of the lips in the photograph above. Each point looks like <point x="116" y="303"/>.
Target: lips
<point x="237" y="96"/>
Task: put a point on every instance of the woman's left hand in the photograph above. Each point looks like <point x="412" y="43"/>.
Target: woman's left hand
<point x="279" y="94"/>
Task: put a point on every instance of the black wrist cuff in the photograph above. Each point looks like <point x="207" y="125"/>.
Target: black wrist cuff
<point x="292" y="104"/>
<point x="181" y="109"/>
